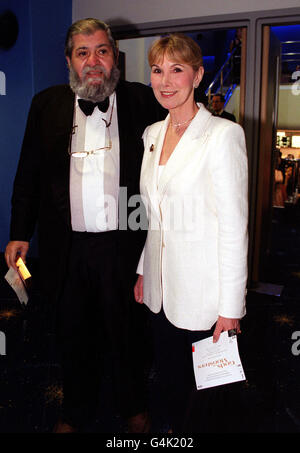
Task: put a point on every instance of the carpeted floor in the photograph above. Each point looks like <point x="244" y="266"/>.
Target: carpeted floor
<point x="269" y="400"/>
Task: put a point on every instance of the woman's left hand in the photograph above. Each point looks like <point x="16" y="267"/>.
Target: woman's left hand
<point x="224" y="324"/>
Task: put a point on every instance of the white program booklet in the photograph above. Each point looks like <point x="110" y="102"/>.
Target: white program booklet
<point x="15" y="281"/>
<point x="217" y="363"/>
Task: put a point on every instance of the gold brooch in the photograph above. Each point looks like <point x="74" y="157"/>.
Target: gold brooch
<point x="151" y="148"/>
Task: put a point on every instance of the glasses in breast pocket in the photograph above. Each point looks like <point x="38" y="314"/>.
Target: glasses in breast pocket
<point x="85" y="153"/>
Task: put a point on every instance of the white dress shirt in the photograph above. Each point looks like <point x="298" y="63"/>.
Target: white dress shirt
<point x="94" y="179"/>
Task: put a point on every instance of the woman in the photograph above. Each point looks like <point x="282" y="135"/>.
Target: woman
<point x="193" y="269"/>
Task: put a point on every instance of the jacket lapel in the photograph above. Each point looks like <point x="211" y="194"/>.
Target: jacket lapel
<point x="63" y="122"/>
<point x="155" y="143"/>
<point x="123" y="129"/>
<point x="196" y="133"/>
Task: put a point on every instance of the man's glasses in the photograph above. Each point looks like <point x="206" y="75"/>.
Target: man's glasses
<point x="82" y="154"/>
<point x="108" y="142"/>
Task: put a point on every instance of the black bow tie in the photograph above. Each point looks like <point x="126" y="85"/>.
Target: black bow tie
<point x="88" y="106"/>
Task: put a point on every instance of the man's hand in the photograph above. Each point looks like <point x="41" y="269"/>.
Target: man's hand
<point x="138" y="290"/>
<point x="224" y="324"/>
<point x="14" y="250"/>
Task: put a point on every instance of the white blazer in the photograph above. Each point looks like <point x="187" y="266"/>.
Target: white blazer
<point x="195" y="257"/>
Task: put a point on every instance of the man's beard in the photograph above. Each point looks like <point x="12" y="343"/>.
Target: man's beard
<point x="95" y="92"/>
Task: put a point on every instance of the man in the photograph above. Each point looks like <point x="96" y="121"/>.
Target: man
<point x="78" y="168"/>
<point x="217" y="104"/>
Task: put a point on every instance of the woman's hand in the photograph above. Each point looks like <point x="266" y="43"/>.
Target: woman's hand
<point x="138" y="290"/>
<point x="224" y="324"/>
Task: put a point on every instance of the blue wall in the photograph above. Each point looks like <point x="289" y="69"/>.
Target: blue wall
<point x="35" y="62"/>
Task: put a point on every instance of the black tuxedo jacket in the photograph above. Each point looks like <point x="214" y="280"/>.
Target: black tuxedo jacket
<point x="41" y="186"/>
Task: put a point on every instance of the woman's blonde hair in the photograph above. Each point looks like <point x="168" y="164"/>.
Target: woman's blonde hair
<point x="177" y="47"/>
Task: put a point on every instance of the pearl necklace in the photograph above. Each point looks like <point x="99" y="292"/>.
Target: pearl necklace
<point x="184" y="122"/>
